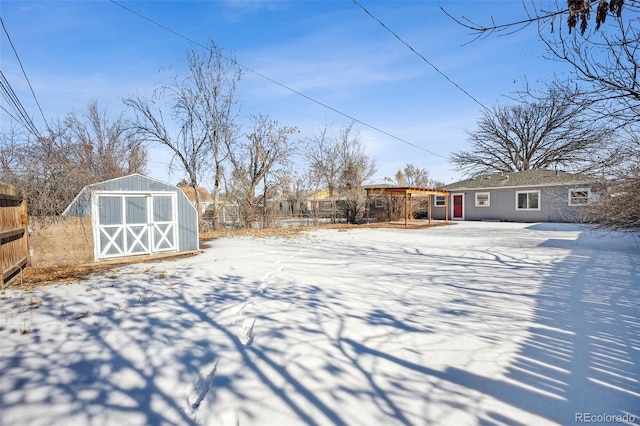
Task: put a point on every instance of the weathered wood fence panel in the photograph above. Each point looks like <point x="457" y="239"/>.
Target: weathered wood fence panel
<point x="14" y="234"/>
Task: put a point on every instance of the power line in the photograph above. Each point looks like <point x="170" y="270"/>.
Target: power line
<point x="12" y="99"/>
<point x="419" y="55"/>
<point x="23" y="72"/>
<point x="8" y="113"/>
<point x="284" y="86"/>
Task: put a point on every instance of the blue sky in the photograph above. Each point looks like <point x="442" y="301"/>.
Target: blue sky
<point x="332" y="51"/>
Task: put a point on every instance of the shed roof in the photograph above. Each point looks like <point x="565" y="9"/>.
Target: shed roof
<point x="81" y="204"/>
<point x="527" y="178"/>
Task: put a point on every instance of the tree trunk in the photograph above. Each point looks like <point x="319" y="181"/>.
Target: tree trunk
<point x="216" y="199"/>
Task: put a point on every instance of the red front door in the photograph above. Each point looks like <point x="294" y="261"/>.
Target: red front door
<point x="457" y="206"/>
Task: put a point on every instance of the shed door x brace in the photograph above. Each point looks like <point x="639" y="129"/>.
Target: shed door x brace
<point x="127" y="224"/>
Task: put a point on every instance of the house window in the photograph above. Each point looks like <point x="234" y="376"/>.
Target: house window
<point x="379" y="202"/>
<point x="579" y="196"/>
<point x="482" y="199"/>
<point x="440" y="200"/>
<point x="528" y="200"/>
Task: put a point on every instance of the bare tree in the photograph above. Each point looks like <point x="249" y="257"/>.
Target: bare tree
<point x="295" y="187"/>
<point x="616" y="206"/>
<point x="576" y="11"/>
<point x="606" y="65"/>
<point x="201" y="106"/>
<point x="605" y="62"/>
<point x="12" y="141"/>
<point x="397" y="179"/>
<point x="187" y="144"/>
<point x="413" y="176"/>
<point x="77" y="151"/>
<point x="604" y="58"/>
<point x="264" y="156"/>
<point x="45" y="168"/>
<point x="322" y="152"/>
<point x="552" y="131"/>
<point x="106" y="149"/>
<point x="341" y="165"/>
<point x="357" y="168"/>
<point x="214" y="79"/>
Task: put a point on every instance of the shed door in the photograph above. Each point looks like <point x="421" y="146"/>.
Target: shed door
<point x="163" y="223"/>
<point x="132" y="224"/>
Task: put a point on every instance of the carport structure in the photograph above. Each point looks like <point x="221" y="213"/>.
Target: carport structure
<point x="408" y="193"/>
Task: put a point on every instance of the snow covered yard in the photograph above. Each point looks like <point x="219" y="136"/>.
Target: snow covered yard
<point x="475" y="323"/>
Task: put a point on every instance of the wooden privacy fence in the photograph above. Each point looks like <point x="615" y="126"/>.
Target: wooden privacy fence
<point x="14" y="234"/>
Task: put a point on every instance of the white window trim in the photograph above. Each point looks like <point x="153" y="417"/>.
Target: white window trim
<point x="571" y="190"/>
<point x="435" y="201"/>
<point x="528" y="192"/>
<point x="488" y="194"/>
<point x="378" y="202"/>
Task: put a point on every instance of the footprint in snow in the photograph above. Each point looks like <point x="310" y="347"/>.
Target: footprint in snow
<point x="246" y="336"/>
<point x="197" y="392"/>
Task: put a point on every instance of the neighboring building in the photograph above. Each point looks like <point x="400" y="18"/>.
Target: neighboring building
<point x="392" y="203"/>
<point x="383" y="207"/>
<point x="321" y="205"/>
<point x="283" y="208"/>
<point x="137" y="215"/>
<point x="528" y="196"/>
<point x="206" y="200"/>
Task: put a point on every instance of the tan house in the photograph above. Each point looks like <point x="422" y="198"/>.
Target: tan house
<point x="206" y="200"/>
<point x="321" y="204"/>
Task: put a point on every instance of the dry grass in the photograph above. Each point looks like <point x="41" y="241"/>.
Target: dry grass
<point x="293" y="231"/>
<point x="256" y="233"/>
<point x="33" y="277"/>
<point x="40" y="276"/>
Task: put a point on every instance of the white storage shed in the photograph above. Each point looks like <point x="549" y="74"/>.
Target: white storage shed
<point x="137" y="215"/>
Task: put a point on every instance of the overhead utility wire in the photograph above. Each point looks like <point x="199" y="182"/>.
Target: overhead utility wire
<point x="23" y="72"/>
<point x="11" y="98"/>
<point x="8" y="113"/>
<point x="259" y="74"/>
<point x="420" y="55"/>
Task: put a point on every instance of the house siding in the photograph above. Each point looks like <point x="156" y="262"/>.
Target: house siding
<point x="553" y="205"/>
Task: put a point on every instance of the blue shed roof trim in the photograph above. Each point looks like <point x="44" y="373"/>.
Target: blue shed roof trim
<point x="81" y="204"/>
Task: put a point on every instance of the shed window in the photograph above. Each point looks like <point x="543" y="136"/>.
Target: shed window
<point x="379" y="202"/>
<point x="440" y="201"/>
<point x="528" y="200"/>
<point x="483" y="199"/>
<point x="579" y="196"/>
<point x="110" y="210"/>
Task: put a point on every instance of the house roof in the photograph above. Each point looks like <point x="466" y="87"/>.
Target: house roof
<point x="318" y="196"/>
<point x="527" y="178"/>
<point x="205" y="196"/>
<point x="403" y="190"/>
